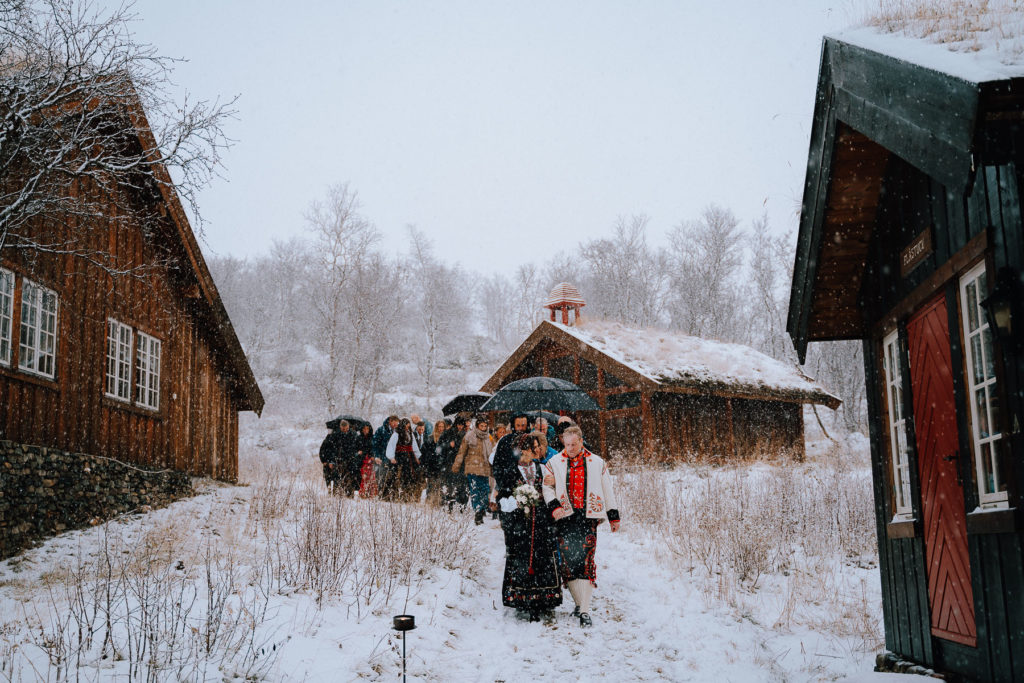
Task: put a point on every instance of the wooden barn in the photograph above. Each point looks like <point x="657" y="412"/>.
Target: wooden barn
<point x="131" y="356"/>
<point x="911" y="240"/>
<point x="663" y="394"/>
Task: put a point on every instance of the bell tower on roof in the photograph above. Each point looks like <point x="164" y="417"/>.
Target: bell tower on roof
<point x="565" y="298"/>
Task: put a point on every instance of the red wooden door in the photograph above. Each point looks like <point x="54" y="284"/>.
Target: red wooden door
<point x="950" y="595"/>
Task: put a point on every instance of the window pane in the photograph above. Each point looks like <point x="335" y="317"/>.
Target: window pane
<point x="977" y="358"/>
<point x="990" y="367"/>
<point x="981" y="413"/>
<point x="988" y="477"/>
<point x="972" y="307"/>
<point x="993" y="408"/>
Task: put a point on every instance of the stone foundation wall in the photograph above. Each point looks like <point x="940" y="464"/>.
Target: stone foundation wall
<point x="44" y="491"/>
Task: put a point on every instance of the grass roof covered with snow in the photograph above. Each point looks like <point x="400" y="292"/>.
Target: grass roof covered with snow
<point x="977" y="41"/>
<point x="672" y="358"/>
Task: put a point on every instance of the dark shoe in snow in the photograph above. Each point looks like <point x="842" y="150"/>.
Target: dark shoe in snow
<point x="576" y="611"/>
<point x="585" y="621"/>
<point x="479" y="517"/>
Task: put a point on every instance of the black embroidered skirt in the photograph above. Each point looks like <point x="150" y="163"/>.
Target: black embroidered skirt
<point x="531" y="580"/>
<point x="577" y="543"/>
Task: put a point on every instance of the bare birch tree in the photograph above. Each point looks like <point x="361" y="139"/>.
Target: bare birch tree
<point x="441" y="308"/>
<point x="342" y="239"/>
<point x="706" y="259"/>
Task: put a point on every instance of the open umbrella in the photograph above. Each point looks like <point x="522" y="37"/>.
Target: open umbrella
<point x="355" y="423"/>
<point x="470" y="402"/>
<point x="540" y="393"/>
<point x="550" y="417"/>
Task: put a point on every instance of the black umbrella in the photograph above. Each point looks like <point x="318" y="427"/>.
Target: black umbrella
<point x="355" y="423"/>
<point x="470" y="402"/>
<point x="540" y="393"/>
<point x="550" y="417"/>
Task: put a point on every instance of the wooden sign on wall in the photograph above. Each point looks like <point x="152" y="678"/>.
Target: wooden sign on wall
<point x="917" y="251"/>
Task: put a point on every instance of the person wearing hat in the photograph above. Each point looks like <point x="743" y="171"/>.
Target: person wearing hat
<point x="579" y="495"/>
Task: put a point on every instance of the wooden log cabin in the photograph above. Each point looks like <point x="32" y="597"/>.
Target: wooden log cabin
<point x="665" y="395"/>
<point x="911" y="240"/>
<point x="132" y="355"/>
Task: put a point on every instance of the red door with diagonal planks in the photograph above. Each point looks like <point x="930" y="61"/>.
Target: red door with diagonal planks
<point x="950" y="596"/>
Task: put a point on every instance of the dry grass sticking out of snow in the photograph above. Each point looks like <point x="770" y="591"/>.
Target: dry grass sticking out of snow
<point x="960" y="25"/>
<point x="787" y="545"/>
<point x="214" y="587"/>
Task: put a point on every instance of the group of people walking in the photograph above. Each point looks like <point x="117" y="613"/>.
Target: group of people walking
<point x="549" y="490"/>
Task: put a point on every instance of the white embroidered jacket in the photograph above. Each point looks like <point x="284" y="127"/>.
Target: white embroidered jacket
<point x="600" y="496"/>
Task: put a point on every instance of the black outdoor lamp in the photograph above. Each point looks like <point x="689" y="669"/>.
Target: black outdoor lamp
<point x="1001" y="305"/>
<point x="403" y="623"/>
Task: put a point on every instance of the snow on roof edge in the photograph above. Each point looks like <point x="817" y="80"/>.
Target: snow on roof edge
<point x="974" y="67"/>
<point x="674" y="359"/>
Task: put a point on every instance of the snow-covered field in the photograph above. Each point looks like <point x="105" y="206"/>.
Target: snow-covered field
<point x="756" y="573"/>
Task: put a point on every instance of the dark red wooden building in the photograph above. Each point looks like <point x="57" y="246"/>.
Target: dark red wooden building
<point x="665" y="395"/>
<point x="911" y="240"/>
<point x="134" y="360"/>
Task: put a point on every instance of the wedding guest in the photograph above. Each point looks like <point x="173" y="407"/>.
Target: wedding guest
<point x="579" y="495"/>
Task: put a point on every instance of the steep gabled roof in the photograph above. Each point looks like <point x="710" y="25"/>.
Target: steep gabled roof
<point x="878" y="96"/>
<point x="242" y="378"/>
<point x="657" y="360"/>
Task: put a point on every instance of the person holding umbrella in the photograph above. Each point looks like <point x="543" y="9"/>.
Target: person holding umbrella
<point x="578" y="492"/>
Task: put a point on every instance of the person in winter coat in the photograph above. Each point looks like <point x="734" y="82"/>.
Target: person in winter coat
<point x="330" y="456"/>
<point x="472" y="460"/>
<point x="404" y="455"/>
<point x="367" y="468"/>
<point x="579" y="495"/>
<point x="380" y="447"/>
<point x="349" y="462"/>
<point x="531" y="582"/>
<point x="454" y="484"/>
<point x="434" y="470"/>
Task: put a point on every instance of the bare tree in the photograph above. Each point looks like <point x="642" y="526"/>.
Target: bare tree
<point x="627" y="279"/>
<point x="342" y="239"/>
<point x="770" y="264"/>
<point x="494" y="301"/>
<point x="706" y="259"/>
<point x="76" y="90"/>
<point x="440" y="306"/>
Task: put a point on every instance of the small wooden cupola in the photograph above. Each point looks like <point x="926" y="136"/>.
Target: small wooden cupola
<point x="565" y="298"/>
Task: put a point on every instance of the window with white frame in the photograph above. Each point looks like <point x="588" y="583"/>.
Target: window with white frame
<point x="119" y="360"/>
<point x="6" y="314"/>
<point x="147" y="372"/>
<point x="38" y="339"/>
<point x="982" y="394"/>
<point x="892" y="361"/>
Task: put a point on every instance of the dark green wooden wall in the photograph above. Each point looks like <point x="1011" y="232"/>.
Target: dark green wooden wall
<point x="911" y="202"/>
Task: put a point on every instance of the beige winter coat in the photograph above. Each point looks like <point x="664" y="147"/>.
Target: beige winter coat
<point x="473" y="454"/>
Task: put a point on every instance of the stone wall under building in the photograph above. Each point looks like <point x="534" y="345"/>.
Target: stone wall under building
<point x="44" y="491"/>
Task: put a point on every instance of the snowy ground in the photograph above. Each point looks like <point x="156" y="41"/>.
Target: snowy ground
<point x="676" y="609"/>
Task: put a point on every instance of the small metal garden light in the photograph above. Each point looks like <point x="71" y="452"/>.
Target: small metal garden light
<point x="1001" y="304"/>
<point x="404" y="623"/>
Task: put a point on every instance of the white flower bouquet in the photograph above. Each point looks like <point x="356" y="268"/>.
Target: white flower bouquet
<point x="526" y="496"/>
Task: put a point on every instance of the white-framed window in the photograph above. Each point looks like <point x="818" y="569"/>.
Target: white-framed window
<point x="119" y="360"/>
<point x="38" y="339"/>
<point x="6" y="314"/>
<point x="981" y="384"/>
<point x="892" y="361"/>
<point x="147" y="372"/>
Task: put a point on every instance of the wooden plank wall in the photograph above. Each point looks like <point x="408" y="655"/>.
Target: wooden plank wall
<point x="194" y="430"/>
<point x="683" y="425"/>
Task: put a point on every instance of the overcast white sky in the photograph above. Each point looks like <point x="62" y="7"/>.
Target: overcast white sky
<point x="504" y="130"/>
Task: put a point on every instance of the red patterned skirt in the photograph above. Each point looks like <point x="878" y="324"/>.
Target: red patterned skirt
<point x="368" y="479"/>
<point x="577" y="545"/>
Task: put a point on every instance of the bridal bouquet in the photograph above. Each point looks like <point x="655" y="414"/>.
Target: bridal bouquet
<point x="526" y="496"/>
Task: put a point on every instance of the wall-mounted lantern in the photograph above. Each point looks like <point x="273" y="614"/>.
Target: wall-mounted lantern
<point x="1001" y="306"/>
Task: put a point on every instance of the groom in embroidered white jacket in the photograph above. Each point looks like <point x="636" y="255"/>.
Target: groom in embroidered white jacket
<point x="578" y="491"/>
